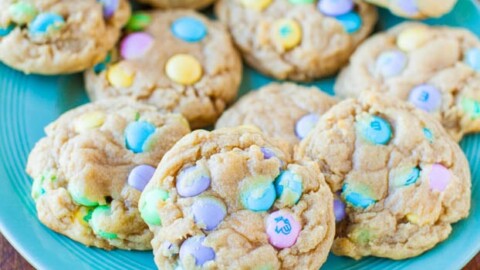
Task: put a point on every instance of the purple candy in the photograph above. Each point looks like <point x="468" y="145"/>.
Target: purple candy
<point x="267" y="153"/>
<point x="426" y="97"/>
<point x="191" y="183"/>
<point x="335" y="7"/>
<point x="135" y="45"/>
<point x="193" y="246"/>
<point x="391" y="63"/>
<point x="408" y="6"/>
<point x="140" y="176"/>
<point x="339" y="210"/>
<point x="209" y="211"/>
<point x="109" y="7"/>
<point x="305" y="124"/>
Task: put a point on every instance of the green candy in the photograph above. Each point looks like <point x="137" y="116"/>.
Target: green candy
<point x="138" y="21"/>
<point x="98" y="214"/>
<point x="22" y="13"/>
<point x="37" y="186"/>
<point x="149" y="204"/>
<point x="80" y="198"/>
<point x="472" y="107"/>
<point x="302" y="1"/>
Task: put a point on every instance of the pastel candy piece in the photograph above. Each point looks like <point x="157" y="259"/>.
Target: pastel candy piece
<point x="412" y="38"/>
<point x="299" y="2"/>
<point x="103" y="65"/>
<point x="89" y="121"/>
<point x="189" y="29"/>
<point x="109" y="7"/>
<point x="282" y="229"/>
<point x="426" y="97"/>
<point x="192" y="181"/>
<point x="37" y="186"/>
<point x="46" y="23"/>
<point x="408" y="7"/>
<point x="259" y="197"/>
<point x="288" y="33"/>
<point x="140" y="176"/>
<point x="375" y="129"/>
<point x="79" y="197"/>
<point x="305" y="124"/>
<point x="439" y="177"/>
<point x="391" y="63"/>
<point x="267" y="153"/>
<point x="406" y="177"/>
<point x="194" y="247"/>
<point x="472" y="107"/>
<point x="135" y="45"/>
<point x="257" y="5"/>
<point x="472" y="58"/>
<point x="184" y="69"/>
<point x="96" y="222"/>
<point x="136" y="135"/>
<point x="138" y="22"/>
<point x="428" y="134"/>
<point x="149" y="204"/>
<point x="356" y="199"/>
<point x="339" y="209"/>
<point x="119" y="76"/>
<point x="208" y="212"/>
<point x="335" y="7"/>
<point x="289" y="188"/>
<point x="22" y="12"/>
<point x="352" y="22"/>
<point x="4" y="31"/>
<point x="83" y="215"/>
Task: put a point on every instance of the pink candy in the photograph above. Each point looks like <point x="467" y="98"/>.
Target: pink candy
<point x="439" y="178"/>
<point x="282" y="229"/>
<point x="135" y="45"/>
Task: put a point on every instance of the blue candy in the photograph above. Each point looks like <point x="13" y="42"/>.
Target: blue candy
<point x="352" y="22"/>
<point x="472" y="58"/>
<point x="103" y="65"/>
<point x="4" y="31"/>
<point x="289" y="187"/>
<point x="407" y="177"/>
<point x="259" y="197"/>
<point x="356" y="199"/>
<point x="375" y="129"/>
<point x="189" y="29"/>
<point x="45" y="23"/>
<point x="136" y="134"/>
<point x="109" y="7"/>
<point x="428" y="134"/>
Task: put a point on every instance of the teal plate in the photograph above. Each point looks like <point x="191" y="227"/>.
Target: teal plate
<point x="28" y="103"/>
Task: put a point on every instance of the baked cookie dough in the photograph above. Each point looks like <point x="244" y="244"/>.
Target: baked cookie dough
<point x="297" y="40"/>
<point x="59" y="36"/>
<point x="196" y="4"/>
<point x="93" y="164"/>
<point x="401" y="180"/>
<point x="233" y="199"/>
<point x="416" y="9"/>
<point x="286" y="111"/>
<point x="437" y="69"/>
<point x="177" y="60"/>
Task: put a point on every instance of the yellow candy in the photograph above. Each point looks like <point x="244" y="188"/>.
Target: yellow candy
<point x="257" y="5"/>
<point x="412" y="38"/>
<point x="184" y="69"/>
<point x="288" y="33"/>
<point x="416" y="219"/>
<point x="119" y="77"/>
<point x="89" y="121"/>
<point x="80" y="215"/>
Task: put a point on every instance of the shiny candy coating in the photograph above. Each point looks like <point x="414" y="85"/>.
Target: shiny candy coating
<point x="375" y="129"/>
<point x="189" y="29"/>
<point x="184" y="69"/>
<point x="46" y="23"/>
<point x="22" y="13"/>
<point x="412" y="38"/>
<point x="135" y="45"/>
<point x="472" y="58"/>
<point x="352" y="22"/>
<point x="193" y="246"/>
<point x="356" y="199"/>
<point x="299" y="2"/>
<point x="426" y="97"/>
<point x="339" y="209"/>
<point x="208" y="212"/>
<point x="471" y="107"/>
<point x="89" y="121"/>
<point x="4" y="31"/>
<point x="305" y="124"/>
<point x="391" y="63"/>
<point x="335" y="7"/>
<point x="119" y="77"/>
<point x="257" y="5"/>
<point x="140" y="176"/>
<point x="149" y="203"/>
<point x="267" y="153"/>
<point x="192" y="181"/>
<point x="97" y="215"/>
<point x="137" y="134"/>
<point x="406" y="176"/>
<point x="109" y="7"/>
<point x="103" y="65"/>
<point x="259" y="196"/>
<point x="138" y="22"/>
<point x="288" y="33"/>
<point x="439" y="177"/>
<point x="282" y="229"/>
<point x="289" y="188"/>
<point x="409" y="7"/>
<point x="428" y="134"/>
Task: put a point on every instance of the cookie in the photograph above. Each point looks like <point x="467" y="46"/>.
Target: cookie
<point x="297" y="40"/>
<point x="286" y="111"/>
<point x="195" y="4"/>
<point x="177" y="60"/>
<point x="416" y="9"/>
<point x="233" y="199"/>
<point x="437" y="69"/>
<point x="59" y="36"/>
<point x="400" y="180"/>
<point x="93" y="164"/>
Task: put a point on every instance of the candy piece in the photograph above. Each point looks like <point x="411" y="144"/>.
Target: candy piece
<point x="472" y="58"/>
<point x="46" y="23"/>
<point x="192" y="181"/>
<point x="408" y="7"/>
<point x="37" y="187"/>
<point x="89" y="121"/>
<point x="439" y="177"/>
<point x="391" y="63"/>
<point x="138" y="21"/>
<point x="184" y="69"/>
<point x="257" y="5"/>
<point x="4" y="31"/>
<point x="428" y="134"/>
<point x="472" y="107"/>
<point x="137" y="134"/>
<point x="80" y="198"/>
<point x="259" y="197"/>
<point x="208" y="212"/>
<point x="119" y="77"/>
<point x="189" y="29"/>
<point x="375" y="129"/>
<point x="295" y="2"/>
<point x="352" y="22"/>
<point x="149" y="204"/>
<point x="267" y="153"/>
<point x="96" y="222"/>
<point x="288" y="33"/>
<point x="289" y="188"/>
<point x="335" y="7"/>
<point x="109" y="7"/>
<point x="135" y="45"/>
<point x="426" y="97"/>
<point x="22" y="13"/>
<point x="339" y="210"/>
<point x="83" y="215"/>
<point x="140" y="176"/>
<point x="356" y="199"/>
<point x="103" y="65"/>
<point x="305" y="124"/>
<point x="406" y="176"/>
<point x="194" y="247"/>
<point x="412" y="38"/>
<point x="282" y="229"/>
<point x="413" y="218"/>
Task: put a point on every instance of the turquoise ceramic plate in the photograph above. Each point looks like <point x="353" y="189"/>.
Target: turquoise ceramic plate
<point x="28" y="103"/>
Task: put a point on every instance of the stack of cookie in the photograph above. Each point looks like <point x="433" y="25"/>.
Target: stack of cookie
<point x="377" y="174"/>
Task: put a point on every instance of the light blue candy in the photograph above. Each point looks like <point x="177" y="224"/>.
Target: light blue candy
<point x="46" y="23"/>
<point x="103" y="65"/>
<point x="428" y="134"/>
<point x="375" y="129"/>
<point x="289" y="187"/>
<point x="4" y="31"/>
<point x="259" y="198"/>
<point x="472" y="58"/>
<point x="189" y="29"/>
<point x="136" y="134"/>
<point x="356" y="199"/>
<point x="352" y="22"/>
<point x="408" y="178"/>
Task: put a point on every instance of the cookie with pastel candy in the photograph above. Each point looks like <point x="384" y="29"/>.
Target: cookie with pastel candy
<point x="57" y="37"/>
<point x="179" y="61"/>
<point x="291" y="39"/>
<point x="416" y="9"/>
<point x="234" y="199"/>
<point x="399" y="180"/>
<point x="437" y="69"/>
<point x="92" y="166"/>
